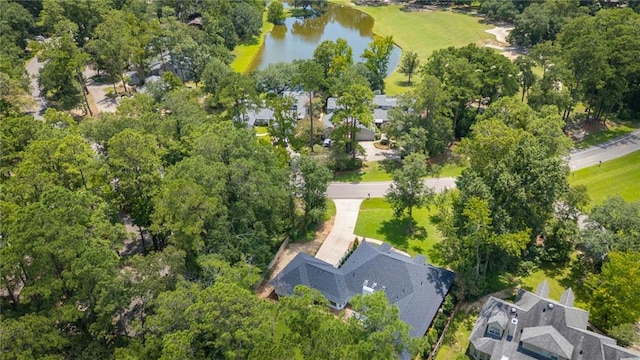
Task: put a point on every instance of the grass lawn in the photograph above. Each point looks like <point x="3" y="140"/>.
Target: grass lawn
<point x="457" y="338"/>
<point x="382" y="171"/>
<point x="422" y="32"/>
<point x="615" y="177"/>
<point x="614" y="131"/>
<point x="261" y="130"/>
<point x="244" y="54"/>
<point x="376" y="221"/>
<point x="330" y="211"/>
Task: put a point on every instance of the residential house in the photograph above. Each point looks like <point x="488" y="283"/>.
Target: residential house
<point x="536" y="327"/>
<point x="262" y="115"/>
<point x="417" y="288"/>
<point x="381" y="106"/>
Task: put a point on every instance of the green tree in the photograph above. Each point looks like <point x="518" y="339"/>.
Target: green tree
<point x="408" y="190"/>
<point x="112" y="46"/>
<point x="309" y="77"/>
<point x="615" y="291"/>
<point x="61" y="74"/>
<point x="410" y="64"/>
<point x="379" y="331"/>
<point x="422" y="123"/>
<point x="311" y="187"/>
<point x="613" y="225"/>
<point x="354" y="110"/>
<point x="275" y="12"/>
<point x="526" y="76"/>
<point x="376" y="58"/>
<point x="134" y="169"/>
<point x="276" y="78"/>
<point x="335" y="57"/>
<point x="284" y="119"/>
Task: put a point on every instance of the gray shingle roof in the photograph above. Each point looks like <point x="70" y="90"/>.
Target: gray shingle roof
<point x="380" y="115"/>
<point x="567" y="297"/>
<point x="558" y="328"/>
<point x="417" y="288"/>
<point x="543" y="289"/>
<point x="383" y="101"/>
<point x="548" y="338"/>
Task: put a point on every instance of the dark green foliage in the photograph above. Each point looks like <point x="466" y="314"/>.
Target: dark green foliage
<point x="625" y="334"/>
<point x="275" y="12"/>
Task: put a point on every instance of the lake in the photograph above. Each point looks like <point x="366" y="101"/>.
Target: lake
<point x="298" y="38"/>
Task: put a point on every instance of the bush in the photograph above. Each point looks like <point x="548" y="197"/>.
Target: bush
<point x="346" y="163"/>
<point x="625" y="334"/>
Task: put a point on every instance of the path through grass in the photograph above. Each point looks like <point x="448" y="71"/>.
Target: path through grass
<point x="615" y="177"/>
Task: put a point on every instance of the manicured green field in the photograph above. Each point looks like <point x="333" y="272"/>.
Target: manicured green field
<point x="383" y="171"/>
<point x="330" y="211"/>
<point x="616" y="177"/>
<point x="376" y="221"/>
<point x="422" y="32"/>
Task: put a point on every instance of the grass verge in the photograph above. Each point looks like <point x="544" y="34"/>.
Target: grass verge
<point x="383" y="171"/>
<point x="613" y="131"/>
<point x="376" y="221"/>
<point x="615" y="177"/>
<point x="422" y="32"/>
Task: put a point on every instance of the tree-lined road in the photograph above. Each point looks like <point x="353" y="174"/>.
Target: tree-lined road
<point x="581" y="159"/>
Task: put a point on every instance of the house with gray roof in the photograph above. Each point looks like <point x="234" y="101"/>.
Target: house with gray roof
<point x="417" y="288"/>
<point x="536" y="327"/>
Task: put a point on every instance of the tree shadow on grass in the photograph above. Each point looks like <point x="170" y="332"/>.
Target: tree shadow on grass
<point x="397" y="232"/>
<point x="353" y="176"/>
<point x="404" y="83"/>
<point x="390" y="165"/>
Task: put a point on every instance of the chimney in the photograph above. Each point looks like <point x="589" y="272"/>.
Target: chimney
<point x="366" y="290"/>
<point x="512" y="327"/>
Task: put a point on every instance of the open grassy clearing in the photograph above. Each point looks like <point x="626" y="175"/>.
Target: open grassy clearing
<point x="383" y="171"/>
<point x="376" y="221"/>
<point x="615" y="177"/>
<point x="422" y="32"/>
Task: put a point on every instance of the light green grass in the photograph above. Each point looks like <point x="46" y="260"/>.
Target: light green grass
<point x="371" y="171"/>
<point x="244" y="54"/>
<point x="456" y="339"/>
<point x="330" y="211"/>
<point x="613" y="131"/>
<point x="383" y="171"/>
<point x="615" y="177"/>
<point x="422" y="32"/>
<point x="376" y="221"/>
<point x="261" y="130"/>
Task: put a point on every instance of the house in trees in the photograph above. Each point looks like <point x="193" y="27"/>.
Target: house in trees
<point x="381" y="105"/>
<point x="263" y="115"/>
<point x="417" y="288"/>
<point x="536" y="327"/>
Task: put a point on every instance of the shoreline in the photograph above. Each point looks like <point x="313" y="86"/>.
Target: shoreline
<point x="246" y="54"/>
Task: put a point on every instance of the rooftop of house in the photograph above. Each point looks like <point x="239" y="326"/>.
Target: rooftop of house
<point x="379" y="102"/>
<point x="539" y="322"/>
<point x="416" y="287"/>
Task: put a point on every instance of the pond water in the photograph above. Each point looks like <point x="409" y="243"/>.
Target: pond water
<point x="298" y="38"/>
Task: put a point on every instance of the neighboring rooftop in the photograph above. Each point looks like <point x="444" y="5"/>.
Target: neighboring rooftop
<point x="416" y="287"/>
<point x="537" y="327"/>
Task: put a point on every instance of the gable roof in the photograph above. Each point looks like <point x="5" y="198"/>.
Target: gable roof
<point x="548" y="338"/>
<point x="415" y="287"/>
<point x="384" y="101"/>
<point x="547" y="324"/>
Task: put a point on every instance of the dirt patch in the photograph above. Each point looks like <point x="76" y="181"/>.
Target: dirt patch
<point x="264" y="290"/>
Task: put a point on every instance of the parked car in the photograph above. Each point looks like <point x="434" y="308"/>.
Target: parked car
<point x="326" y="143"/>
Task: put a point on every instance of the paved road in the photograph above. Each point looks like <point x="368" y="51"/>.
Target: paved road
<point x="33" y="70"/>
<point x="578" y="160"/>
<point x="338" y="190"/>
<point x="606" y="151"/>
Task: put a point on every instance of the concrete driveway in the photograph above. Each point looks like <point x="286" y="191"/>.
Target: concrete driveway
<point x="374" y="154"/>
<point x="337" y="243"/>
<point x="33" y="70"/>
<point x="98" y="92"/>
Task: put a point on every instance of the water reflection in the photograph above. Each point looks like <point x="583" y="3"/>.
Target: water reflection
<point x="298" y="37"/>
